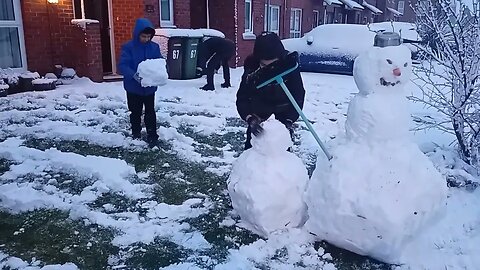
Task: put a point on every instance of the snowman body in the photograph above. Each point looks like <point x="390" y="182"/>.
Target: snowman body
<point x="267" y="183"/>
<point x="380" y="190"/>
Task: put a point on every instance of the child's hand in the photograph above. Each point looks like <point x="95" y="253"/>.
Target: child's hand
<point x="137" y="78"/>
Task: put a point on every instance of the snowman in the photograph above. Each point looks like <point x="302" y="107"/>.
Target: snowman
<point x="267" y="183"/>
<point x="379" y="191"/>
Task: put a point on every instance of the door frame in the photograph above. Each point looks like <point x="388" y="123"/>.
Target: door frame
<point x="112" y="36"/>
<point x="111" y="32"/>
<point x="18" y="23"/>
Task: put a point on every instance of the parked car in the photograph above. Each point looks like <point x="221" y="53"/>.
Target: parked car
<point x="332" y="48"/>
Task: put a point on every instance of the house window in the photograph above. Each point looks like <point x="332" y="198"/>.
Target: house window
<point x="166" y="12"/>
<point x="401" y="6"/>
<point x="12" y="48"/>
<point x="248" y="16"/>
<point x="295" y="23"/>
<point x="274" y="24"/>
<point x="316" y="18"/>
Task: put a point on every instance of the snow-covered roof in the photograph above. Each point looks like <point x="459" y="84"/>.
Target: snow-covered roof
<point x="352" y="4"/>
<point x="395" y="12"/>
<point x="373" y="8"/>
<point x="333" y="2"/>
<point x="173" y="32"/>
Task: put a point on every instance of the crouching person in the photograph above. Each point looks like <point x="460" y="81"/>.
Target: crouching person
<point x="135" y="51"/>
<point x="257" y="105"/>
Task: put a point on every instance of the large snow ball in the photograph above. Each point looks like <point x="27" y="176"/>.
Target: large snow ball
<point x="372" y="200"/>
<point x="383" y="69"/>
<point x="267" y="183"/>
<point x="153" y="72"/>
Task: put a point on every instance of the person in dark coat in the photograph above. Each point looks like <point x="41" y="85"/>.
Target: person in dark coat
<point x="135" y="51"/>
<point x="217" y="52"/>
<point x="257" y="105"/>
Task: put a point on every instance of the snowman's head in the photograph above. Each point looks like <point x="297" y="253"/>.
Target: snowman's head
<point x="274" y="140"/>
<point x="383" y="69"/>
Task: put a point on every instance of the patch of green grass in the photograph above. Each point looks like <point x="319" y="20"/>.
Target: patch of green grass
<point x="159" y="254"/>
<point x="51" y="237"/>
<point x="4" y="166"/>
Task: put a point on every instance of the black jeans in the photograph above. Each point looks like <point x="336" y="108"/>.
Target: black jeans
<point x="215" y="63"/>
<point x="135" y="106"/>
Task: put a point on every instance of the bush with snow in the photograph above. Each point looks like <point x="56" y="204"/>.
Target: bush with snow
<point x="153" y="72"/>
<point x="449" y="75"/>
<point x="379" y="191"/>
<point x="267" y="183"/>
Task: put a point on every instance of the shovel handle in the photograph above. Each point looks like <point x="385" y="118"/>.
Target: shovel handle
<point x="280" y="81"/>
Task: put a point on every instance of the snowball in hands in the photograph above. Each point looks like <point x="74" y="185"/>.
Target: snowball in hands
<point x="267" y="183"/>
<point x="380" y="190"/>
<point x="153" y="72"/>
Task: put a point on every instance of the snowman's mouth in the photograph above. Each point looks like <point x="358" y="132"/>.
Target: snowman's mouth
<point x="387" y="83"/>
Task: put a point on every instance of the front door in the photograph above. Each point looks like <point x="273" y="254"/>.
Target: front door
<point x="12" y="46"/>
<point x="98" y="10"/>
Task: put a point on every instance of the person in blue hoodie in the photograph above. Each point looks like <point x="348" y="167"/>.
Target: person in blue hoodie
<point x="135" y="51"/>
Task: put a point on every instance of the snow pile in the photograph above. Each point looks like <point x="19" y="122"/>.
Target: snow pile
<point x="3" y="85"/>
<point x="43" y="81"/>
<point x="380" y="190"/>
<point x="7" y="262"/>
<point x="153" y="72"/>
<point x="267" y="183"/>
<point x="110" y="172"/>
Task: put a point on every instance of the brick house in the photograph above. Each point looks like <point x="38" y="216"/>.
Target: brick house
<point x="88" y="34"/>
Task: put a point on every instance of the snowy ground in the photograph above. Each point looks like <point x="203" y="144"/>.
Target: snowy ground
<point x="76" y="191"/>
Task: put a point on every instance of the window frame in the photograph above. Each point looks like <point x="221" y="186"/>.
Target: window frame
<point x="317" y="21"/>
<point x="17" y="23"/>
<point x="294" y="32"/>
<point x="166" y="23"/>
<point x="402" y="9"/>
<point x="272" y="7"/>
<point x="250" y="29"/>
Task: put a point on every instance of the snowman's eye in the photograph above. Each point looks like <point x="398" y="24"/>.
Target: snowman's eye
<point x="405" y="65"/>
<point x="389" y="61"/>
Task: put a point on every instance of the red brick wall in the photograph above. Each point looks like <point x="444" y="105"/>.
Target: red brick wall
<point x="86" y="51"/>
<point x="47" y="30"/>
<point x="181" y="10"/>
<point x="125" y="12"/>
<point x="154" y="16"/>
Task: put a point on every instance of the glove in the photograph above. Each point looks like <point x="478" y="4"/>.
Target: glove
<point x="289" y="125"/>
<point x="137" y="78"/>
<point x="254" y="122"/>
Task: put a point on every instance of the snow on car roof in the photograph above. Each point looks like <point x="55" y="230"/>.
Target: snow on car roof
<point x="337" y="38"/>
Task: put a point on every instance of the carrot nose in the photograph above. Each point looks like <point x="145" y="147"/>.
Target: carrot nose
<point x="397" y="72"/>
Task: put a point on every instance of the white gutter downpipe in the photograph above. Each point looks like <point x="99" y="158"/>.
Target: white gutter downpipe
<point x="208" y="16"/>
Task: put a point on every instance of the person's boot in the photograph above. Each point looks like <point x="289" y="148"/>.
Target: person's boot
<point x="136" y="135"/>
<point x="226" y="85"/>
<point x="152" y="140"/>
<point x="208" y="87"/>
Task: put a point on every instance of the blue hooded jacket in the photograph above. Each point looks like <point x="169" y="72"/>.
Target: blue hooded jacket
<point x="133" y="53"/>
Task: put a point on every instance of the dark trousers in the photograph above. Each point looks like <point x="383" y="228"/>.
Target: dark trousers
<point x="248" y="142"/>
<point x="135" y="106"/>
<point x="215" y="63"/>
